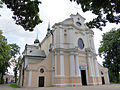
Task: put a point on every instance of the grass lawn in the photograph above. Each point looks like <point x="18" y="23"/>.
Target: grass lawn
<point x="114" y="83"/>
<point x="14" y="85"/>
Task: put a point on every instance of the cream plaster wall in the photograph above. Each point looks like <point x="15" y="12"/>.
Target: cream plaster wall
<point x="45" y="44"/>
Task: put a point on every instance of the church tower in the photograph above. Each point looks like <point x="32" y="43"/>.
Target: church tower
<point x="36" y="42"/>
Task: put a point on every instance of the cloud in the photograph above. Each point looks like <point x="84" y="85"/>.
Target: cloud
<point x="15" y="33"/>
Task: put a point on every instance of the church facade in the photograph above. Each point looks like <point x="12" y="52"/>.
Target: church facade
<point x="65" y="57"/>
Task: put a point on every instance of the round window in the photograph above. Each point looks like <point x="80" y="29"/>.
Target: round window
<point x="42" y="70"/>
<point x="80" y="43"/>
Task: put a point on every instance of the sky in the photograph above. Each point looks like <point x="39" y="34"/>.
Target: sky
<point x="52" y="11"/>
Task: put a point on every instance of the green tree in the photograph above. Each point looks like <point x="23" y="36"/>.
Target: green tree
<point x="110" y="50"/>
<point x="0" y="4"/>
<point x="14" y="50"/>
<point x="25" y="12"/>
<point x="4" y="57"/>
<point x="106" y="11"/>
<point x="7" y="51"/>
<point x="0" y="32"/>
<point x="17" y="67"/>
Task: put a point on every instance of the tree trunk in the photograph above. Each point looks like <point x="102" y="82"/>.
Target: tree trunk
<point x="15" y="76"/>
<point x="2" y="80"/>
<point x="117" y="77"/>
<point x="19" y="77"/>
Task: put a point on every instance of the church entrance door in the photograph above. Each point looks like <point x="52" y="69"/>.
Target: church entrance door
<point x="83" y="77"/>
<point x="103" y="81"/>
<point x="41" y="81"/>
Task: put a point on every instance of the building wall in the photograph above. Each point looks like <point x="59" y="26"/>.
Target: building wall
<point x="35" y="68"/>
<point x="66" y="57"/>
<point x="45" y="44"/>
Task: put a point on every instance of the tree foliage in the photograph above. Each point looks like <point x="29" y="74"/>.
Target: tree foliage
<point x="110" y="49"/>
<point x="106" y="11"/>
<point x="17" y="67"/>
<point x="14" y="50"/>
<point x="4" y="56"/>
<point x="25" y="12"/>
<point x="6" y="52"/>
<point x="0" y="4"/>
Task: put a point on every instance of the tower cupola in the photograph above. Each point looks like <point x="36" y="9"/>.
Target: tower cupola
<point x="48" y="29"/>
<point x="37" y="40"/>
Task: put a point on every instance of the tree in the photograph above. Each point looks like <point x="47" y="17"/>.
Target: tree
<point x="14" y="50"/>
<point x="7" y="51"/>
<point x="0" y="32"/>
<point x="106" y="11"/>
<point x="17" y="67"/>
<point x="25" y="12"/>
<point x="4" y="56"/>
<point x="0" y="4"/>
<point x="110" y="49"/>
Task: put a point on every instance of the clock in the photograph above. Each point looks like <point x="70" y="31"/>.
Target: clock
<point x="80" y="43"/>
<point x="78" y="24"/>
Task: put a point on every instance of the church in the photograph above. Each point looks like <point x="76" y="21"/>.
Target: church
<point x="65" y="57"/>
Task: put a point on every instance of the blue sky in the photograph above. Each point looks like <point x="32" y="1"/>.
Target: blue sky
<point x="50" y="10"/>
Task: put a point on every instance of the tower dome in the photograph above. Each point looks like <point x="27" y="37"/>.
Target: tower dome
<point x="36" y="41"/>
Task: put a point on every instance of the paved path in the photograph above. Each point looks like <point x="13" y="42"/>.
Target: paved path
<point x="101" y="87"/>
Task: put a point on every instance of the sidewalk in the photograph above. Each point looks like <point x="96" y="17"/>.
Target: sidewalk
<point x="101" y="87"/>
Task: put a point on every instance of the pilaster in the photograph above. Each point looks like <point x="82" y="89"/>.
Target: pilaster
<point x="77" y="67"/>
<point x="72" y="65"/>
<point x="30" y="76"/>
<point x="61" y="63"/>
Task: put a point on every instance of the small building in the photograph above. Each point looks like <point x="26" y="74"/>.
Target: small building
<point x="65" y="57"/>
<point x="9" y="78"/>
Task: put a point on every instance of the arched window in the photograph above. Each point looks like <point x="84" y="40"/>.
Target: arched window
<point x="80" y="43"/>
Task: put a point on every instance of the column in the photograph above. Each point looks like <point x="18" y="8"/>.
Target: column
<point x="61" y="52"/>
<point x="88" y="42"/>
<point x="72" y="65"/>
<point x="61" y="37"/>
<point x="108" y="78"/>
<point x="53" y="67"/>
<point x="93" y="45"/>
<point x="61" y="63"/>
<point x="87" y="75"/>
<point x="26" y="62"/>
<point x="96" y="68"/>
<point x="71" y="37"/>
<point x="55" y="38"/>
<point x="55" y="64"/>
<point x="90" y="66"/>
<point x="25" y="78"/>
<point x="29" y="80"/>
<point x="93" y="66"/>
<point x="77" y="67"/>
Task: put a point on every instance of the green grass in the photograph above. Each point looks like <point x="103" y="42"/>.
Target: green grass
<point x="114" y="83"/>
<point x="14" y="85"/>
<point x="5" y="84"/>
